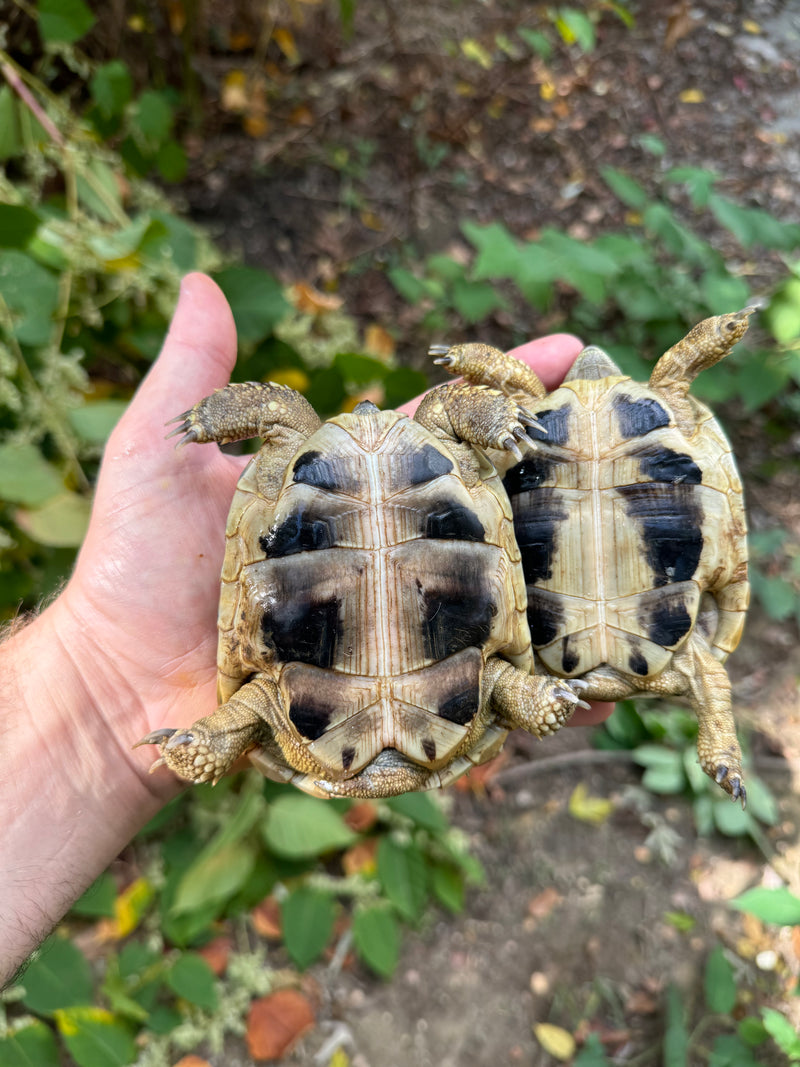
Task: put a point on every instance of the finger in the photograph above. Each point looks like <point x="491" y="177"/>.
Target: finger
<point x="197" y="356"/>
<point x="597" y="713"/>
<point x="551" y="357"/>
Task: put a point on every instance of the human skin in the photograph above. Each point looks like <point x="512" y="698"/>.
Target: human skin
<point x="130" y="643"/>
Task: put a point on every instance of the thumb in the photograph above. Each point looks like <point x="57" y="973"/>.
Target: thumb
<point x="197" y="356"/>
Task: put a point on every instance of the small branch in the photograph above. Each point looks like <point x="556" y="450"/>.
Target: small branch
<point x="30" y="101"/>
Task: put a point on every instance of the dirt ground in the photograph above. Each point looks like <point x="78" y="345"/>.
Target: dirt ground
<point x="571" y="924"/>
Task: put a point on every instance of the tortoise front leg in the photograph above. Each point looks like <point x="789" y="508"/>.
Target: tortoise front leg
<point x="483" y="365"/>
<point x="248" y="409"/>
<point x="207" y="749"/>
<point x="540" y="705"/>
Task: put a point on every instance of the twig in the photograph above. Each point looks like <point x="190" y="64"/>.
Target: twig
<point x="30" y="101"/>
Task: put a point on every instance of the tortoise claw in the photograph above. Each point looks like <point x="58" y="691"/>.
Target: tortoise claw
<point x="439" y="350"/>
<point x="155" y="737"/>
<point x="184" y="738"/>
<point x="510" y="445"/>
<point x="160" y="762"/>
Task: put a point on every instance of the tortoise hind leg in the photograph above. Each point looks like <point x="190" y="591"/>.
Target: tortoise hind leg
<point x="207" y="749"/>
<point x="540" y="705"/>
<point x="483" y="365"/>
<point x="247" y="409"/>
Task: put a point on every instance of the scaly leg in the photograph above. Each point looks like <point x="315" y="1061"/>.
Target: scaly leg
<point x="540" y="705"/>
<point x="247" y="409"/>
<point x="484" y="365"/>
<point x="208" y="748"/>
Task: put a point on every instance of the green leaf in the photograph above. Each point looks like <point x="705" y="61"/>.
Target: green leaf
<point x="96" y="419"/>
<point x="26" y="477"/>
<point x="782" y="1032"/>
<point x="719" y="983"/>
<point x="761" y="802"/>
<point x="64" y="21"/>
<point x="10" y="143"/>
<point x="698" y="181"/>
<point x="676" y="1037"/>
<point x="775" y="594"/>
<point x="376" y="936"/>
<point x="306" y="923"/>
<point x="192" y="978"/>
<point x="30" y="1045"/>
<point x="498" y="252"/>
<point x="58" y="978"/>
<point x="96" y="1038"/>
<point x="99" y="192"/>
<point x="153" y="117"/>
<point x="358" y="369"/>
<point x="31" y="295"/>
<point x="403" y="876"/>
<point x="751" y="1030"/>
<point x="111" y="87"/>
<point x="215" y="877"/>
<point x="61" y="522"/>
<point x="777" y="906"/>
<point x="447" y="883"/>
<point x="409" y="286"/>
<point x="729" y="818"/>
<point x="536" y="41"/>
<point x="782" y="316"/>
<point x="421" y="808"/>
<point x="625" y="188"/>
<point x="729" y="1051"/>
<point x="592" y="1054"/>
<point x="652" y="144"/>
<point x="17" y="225"/>
<point x="665" y="772"/>
<point x="302" y="827"/>
<point x="256" y="300"/>
<point x="98" y="900"/>
<point x="176" y="241"/>
<point x="475" y="300"/>
<point x="721" y="292"/>
<point x="402" y="384"/>
<point x="172" y="162"/>
<point x="575" y="28"/>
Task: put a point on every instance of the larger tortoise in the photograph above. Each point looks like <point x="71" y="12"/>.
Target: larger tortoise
<point x="372" y="620"/>
<point x="630" y="520"/>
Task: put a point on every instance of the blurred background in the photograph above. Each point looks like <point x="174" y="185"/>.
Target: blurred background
<point x="363" y="181"/>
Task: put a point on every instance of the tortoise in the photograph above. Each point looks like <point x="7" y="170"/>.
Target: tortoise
<point x="630" y="519"/>
<point x="373" y="636"/>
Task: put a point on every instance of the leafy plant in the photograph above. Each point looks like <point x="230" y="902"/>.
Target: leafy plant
<point x="341" y="872"/>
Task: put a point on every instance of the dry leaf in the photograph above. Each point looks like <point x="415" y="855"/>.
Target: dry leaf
<point x="540" y="906"/>
<point x="589" y="809"/>
<point x="749" y="26"/>
<point x="692" y="96"/>
<point x="311" y="301"/>
<point x="360" y="858"/>
<point x="477" y="778"/>
<point x="378" y="342"/>
<point x="192" y="1061"/>
<point x="176" y="14"/>
<point x="275" y="1023"/>
<point x="234" y="92"/>
<point x="216" y="953"/>
<point x="284" y="39"/>
<point x="266" y="919"/>
<point x="553" y="1039"/>
<point x="362" y="816"/>
<point x="679" y="24"/>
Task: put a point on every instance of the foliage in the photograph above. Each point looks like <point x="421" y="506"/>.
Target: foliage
<point x="662" y="740"/>
<point x="340" y="873"/>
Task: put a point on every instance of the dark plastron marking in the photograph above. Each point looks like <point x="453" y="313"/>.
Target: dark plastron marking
<point x="637" y="662"/>
<point x="417" y="467"/>
<point x="670" y="520"/>
<point x="429" y="748"/>
<point x="536" y="529"/>
<point x="310" y="717"/>
<point x="299" y="532"/>
<point x="303" y="630"/>
<point x="348" y="755"/>
<point x="569" y="659"/>
<point x="457" y="612"/>
<point x="552" y="426"/>
<point x="638" y="417"/>
<point x="665" y="465"/>
<point x="545" y="618"/>
<point x="669" y="622"/>
<point x="454" y="522"/>
<point x="530" y="474"/>
<point x="326" y="472"/>
<point x="461" y="708"/>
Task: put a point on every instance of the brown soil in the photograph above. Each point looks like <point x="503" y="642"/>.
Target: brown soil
<point x="572" y="923"/>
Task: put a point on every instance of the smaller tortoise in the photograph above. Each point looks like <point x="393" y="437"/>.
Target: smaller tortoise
<point x="630" y="519"/>
<point x="372" y="620"/>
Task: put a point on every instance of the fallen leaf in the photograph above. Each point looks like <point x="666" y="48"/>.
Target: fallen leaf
<point x="360" y="859"/>
<point x="310" y="300"/>
<point x="266" y="919"/>
<point x="378" y="341"/>
<point x="692" y="96"/>
<point x="275" y="1023"/>
<point x="540" y="906"/>
<point x="586" y="808"/>
<point x="284" y="39"/>
<point x="192" y="1061"/>
<point x="749" y="26"/>
<point x="130" y="906"/>
<point x="216" y="953"/>
<point x="475" y="51"/>
<point x="679" y="24"/>
<point x="362" y="816"/>
<point x="553" y="1039"/>
<point x="476" y="780"/>
<point x="233" y="96"/>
